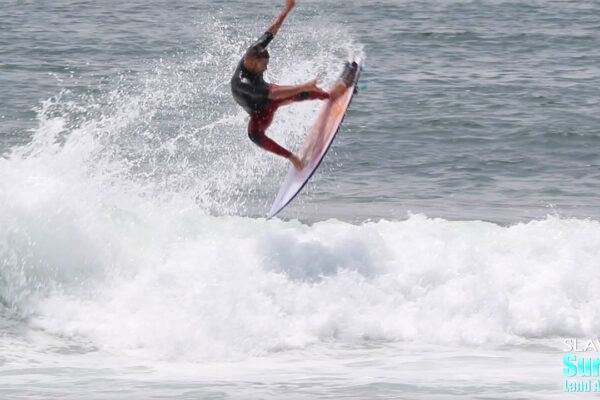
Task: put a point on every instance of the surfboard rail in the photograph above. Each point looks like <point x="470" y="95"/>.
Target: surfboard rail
<point x="318" y="141"/>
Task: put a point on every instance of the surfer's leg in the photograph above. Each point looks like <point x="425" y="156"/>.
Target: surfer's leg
<point x="261" y="140"/>
<point x="314" y="95"/>
<point x="259" y="122"/>
<point x="269" y="144"/>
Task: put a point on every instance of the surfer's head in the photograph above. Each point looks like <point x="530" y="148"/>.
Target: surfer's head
<point x="256" y="59"/>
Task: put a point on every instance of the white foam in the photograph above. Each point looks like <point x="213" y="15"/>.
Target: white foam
<point x="179" y="284"/>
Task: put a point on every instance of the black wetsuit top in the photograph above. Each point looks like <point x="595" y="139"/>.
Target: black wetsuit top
<point x="249" y="89"/>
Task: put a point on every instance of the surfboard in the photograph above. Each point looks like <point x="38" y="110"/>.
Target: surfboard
<point x="318" y="140"/>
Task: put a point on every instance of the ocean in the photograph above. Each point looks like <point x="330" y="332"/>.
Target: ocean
<point x="447" y="248"/>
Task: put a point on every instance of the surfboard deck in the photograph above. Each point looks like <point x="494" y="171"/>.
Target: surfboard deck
<point x="318" y="140"/>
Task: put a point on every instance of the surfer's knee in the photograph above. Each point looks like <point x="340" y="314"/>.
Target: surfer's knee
<point x="256" y="137"/>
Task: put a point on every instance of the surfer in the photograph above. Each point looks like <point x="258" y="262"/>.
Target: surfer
<point x="261" y="99"/>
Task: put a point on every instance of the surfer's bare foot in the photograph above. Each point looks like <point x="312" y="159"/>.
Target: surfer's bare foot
<point x="337" y="90"/>
<point x="298" y="164"/>
<point x="321" y="92"/>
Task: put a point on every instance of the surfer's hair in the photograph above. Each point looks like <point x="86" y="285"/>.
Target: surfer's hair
<point x="256" y="53"/>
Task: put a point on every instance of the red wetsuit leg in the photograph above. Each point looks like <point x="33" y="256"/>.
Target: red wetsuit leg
<point x="261" y="120"/>
<point x="300" y="97"/>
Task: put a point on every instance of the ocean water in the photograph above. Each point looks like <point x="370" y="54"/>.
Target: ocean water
<point x="446" y="248"/>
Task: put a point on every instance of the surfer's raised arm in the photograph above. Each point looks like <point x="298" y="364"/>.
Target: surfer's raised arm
<point x="274" y="28"/>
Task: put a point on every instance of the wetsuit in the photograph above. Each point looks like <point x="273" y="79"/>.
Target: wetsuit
<point x="252" y="93"/>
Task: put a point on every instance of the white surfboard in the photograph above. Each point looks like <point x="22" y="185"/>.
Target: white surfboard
<point x="319" y="140"/>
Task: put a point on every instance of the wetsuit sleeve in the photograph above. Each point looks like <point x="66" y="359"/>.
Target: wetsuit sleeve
<point x="264" y="40"/>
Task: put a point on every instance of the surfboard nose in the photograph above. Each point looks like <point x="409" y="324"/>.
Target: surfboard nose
<point x="349" y="73"/>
